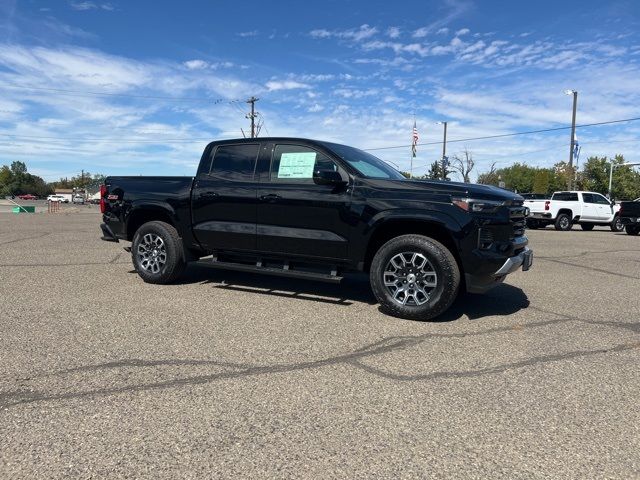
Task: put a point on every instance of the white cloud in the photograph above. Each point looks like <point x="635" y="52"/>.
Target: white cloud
<point x="315" y="108"/>
<point x="421" y="32"/>
<point x="83" y="6"/>
<point x="462" y="31"/>
<point x="442" y="31"/>
<point x="196" y="64"/>
<point x="252" y="33"/>
<point x="285" y="85"/>
<point x="354" y="34"/>
<point x="393" y="32"/>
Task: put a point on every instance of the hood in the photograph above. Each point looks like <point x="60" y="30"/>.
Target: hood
<point x="471" y="190"/>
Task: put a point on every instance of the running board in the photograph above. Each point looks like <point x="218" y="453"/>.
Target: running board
<point x="284" y="271"/>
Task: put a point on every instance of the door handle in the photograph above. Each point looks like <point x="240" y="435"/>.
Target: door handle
<point x="208" y="194"/>
<point x="270" y="197"/>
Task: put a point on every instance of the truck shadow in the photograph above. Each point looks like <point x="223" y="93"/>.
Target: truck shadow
<point x="502" y="300"/>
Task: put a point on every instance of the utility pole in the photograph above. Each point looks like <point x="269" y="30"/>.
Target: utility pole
<point x="444" y="152"/>
<point x="573" y="136"/>
<point x="252" y="115"/>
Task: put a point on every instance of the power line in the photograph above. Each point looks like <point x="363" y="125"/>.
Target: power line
<point x="215" y="101"/>
<point x="530" y="132"/>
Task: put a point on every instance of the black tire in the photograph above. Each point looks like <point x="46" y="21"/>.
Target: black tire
<point x="587" y="227"/>
<point x="423" y="305"/>
<point x="533" y="224"/>
<point x="616" y="225"/>
<point x="632" y="229"/>
<point x="157" y="261"/>
<point x="563" y="222"/>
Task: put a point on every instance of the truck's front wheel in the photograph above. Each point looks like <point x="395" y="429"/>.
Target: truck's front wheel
<point x="616" y="225"/>
<point x="414" y="277"/>
<point x="157" y="253"/>
<point x="632" y="229"/>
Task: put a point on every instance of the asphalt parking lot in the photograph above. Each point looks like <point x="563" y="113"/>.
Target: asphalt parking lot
<point x="229" y="375"/>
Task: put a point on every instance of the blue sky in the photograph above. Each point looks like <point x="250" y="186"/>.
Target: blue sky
<point x="140" y="87"/>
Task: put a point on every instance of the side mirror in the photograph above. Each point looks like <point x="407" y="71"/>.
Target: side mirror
<point x="328" y="177"/>
<point x="613" y="202"/>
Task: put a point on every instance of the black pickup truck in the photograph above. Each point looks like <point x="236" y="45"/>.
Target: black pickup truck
<point x="314" y="209"/>
<point x="630" y="216"/>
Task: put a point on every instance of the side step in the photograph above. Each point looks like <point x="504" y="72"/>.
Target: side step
<point x="284" y="271"/>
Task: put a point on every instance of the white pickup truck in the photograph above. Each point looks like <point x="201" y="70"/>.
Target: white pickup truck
<point x="566" y="208"/>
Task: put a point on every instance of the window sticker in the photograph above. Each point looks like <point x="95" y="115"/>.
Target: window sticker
<point x="297" y="165"/>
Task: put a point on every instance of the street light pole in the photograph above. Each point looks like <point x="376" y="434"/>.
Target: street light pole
<point x="573" y="136"/>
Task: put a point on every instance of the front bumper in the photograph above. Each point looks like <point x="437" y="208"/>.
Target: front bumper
<point x="482" y="283"/>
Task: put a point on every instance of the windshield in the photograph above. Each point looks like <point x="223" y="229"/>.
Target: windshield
<point x="365" y="163"/>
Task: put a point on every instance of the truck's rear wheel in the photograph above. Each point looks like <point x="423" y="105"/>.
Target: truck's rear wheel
<point x="616" y="225"/>
<point x="586" y="226"/>
<point x="563" y="222"/>
<point x="157" y="253"/>
<point x="632" y="229"/>
<point x="414" y="277"/>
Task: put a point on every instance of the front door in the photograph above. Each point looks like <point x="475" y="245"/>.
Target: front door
<point x="605" y="209"/>
<point x="224" y="199"/>
<point x="297" y="216"/>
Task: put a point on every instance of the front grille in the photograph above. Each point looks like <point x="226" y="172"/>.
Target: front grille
<point x="518" y="219"/>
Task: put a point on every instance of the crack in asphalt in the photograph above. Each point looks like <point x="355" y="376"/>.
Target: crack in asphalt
<point x="585" y="253"/>
<point x="594" y="269"/>
<point x="114" y="260"/>
<point x="24" y="239"/>
<point x="354" y="359"/>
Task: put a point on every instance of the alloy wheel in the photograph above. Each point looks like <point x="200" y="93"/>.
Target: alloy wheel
<point x="410" y="278"/>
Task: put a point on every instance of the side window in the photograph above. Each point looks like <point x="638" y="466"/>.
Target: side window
<point x="235" y="162"/>
<point x="601" y="200"/>
<point x="295" y="163"/>
<point x="588" y="198"/>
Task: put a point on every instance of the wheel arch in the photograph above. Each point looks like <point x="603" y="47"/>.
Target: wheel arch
<point x="138" y="216"/>
<point x="395" y="227"/>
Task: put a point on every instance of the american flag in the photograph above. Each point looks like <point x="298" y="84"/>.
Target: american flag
<point x="415" y="139"/>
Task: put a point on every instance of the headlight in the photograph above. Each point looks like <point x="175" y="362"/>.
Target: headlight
<point x="476" y="205"/>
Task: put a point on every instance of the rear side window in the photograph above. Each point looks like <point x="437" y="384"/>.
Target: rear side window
<point x="235" y="162"/>
<point x="588" y="198"/>
<point x="565" y="196"/>
<point x="295" y="163"/>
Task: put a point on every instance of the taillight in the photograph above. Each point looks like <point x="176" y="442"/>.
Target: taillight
<point x="103" y="192"/>
<point x="546" y="205"/>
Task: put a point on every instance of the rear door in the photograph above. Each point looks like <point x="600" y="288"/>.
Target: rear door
<point x="297" y="216"/>
<point x="224" y="198"/>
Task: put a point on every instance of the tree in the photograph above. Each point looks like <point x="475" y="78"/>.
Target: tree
<point x="18" y="168"/>
<point x="16" y="180"/>
<point x="490" y="177"/>
<point x="595" y="177"/>
<point x="541" y="181"/>
<point x="463" y="166"/>
<point x="435" y="171"/>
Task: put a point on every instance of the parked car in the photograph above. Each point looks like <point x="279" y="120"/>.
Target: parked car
<point x="313" y="210"/>
<point x="27" y="196"/>
<point x="630" y="216"/>
<point x="56" y="198"/>
<point x="78" y="199"/>
<point x="565" y="209"/>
